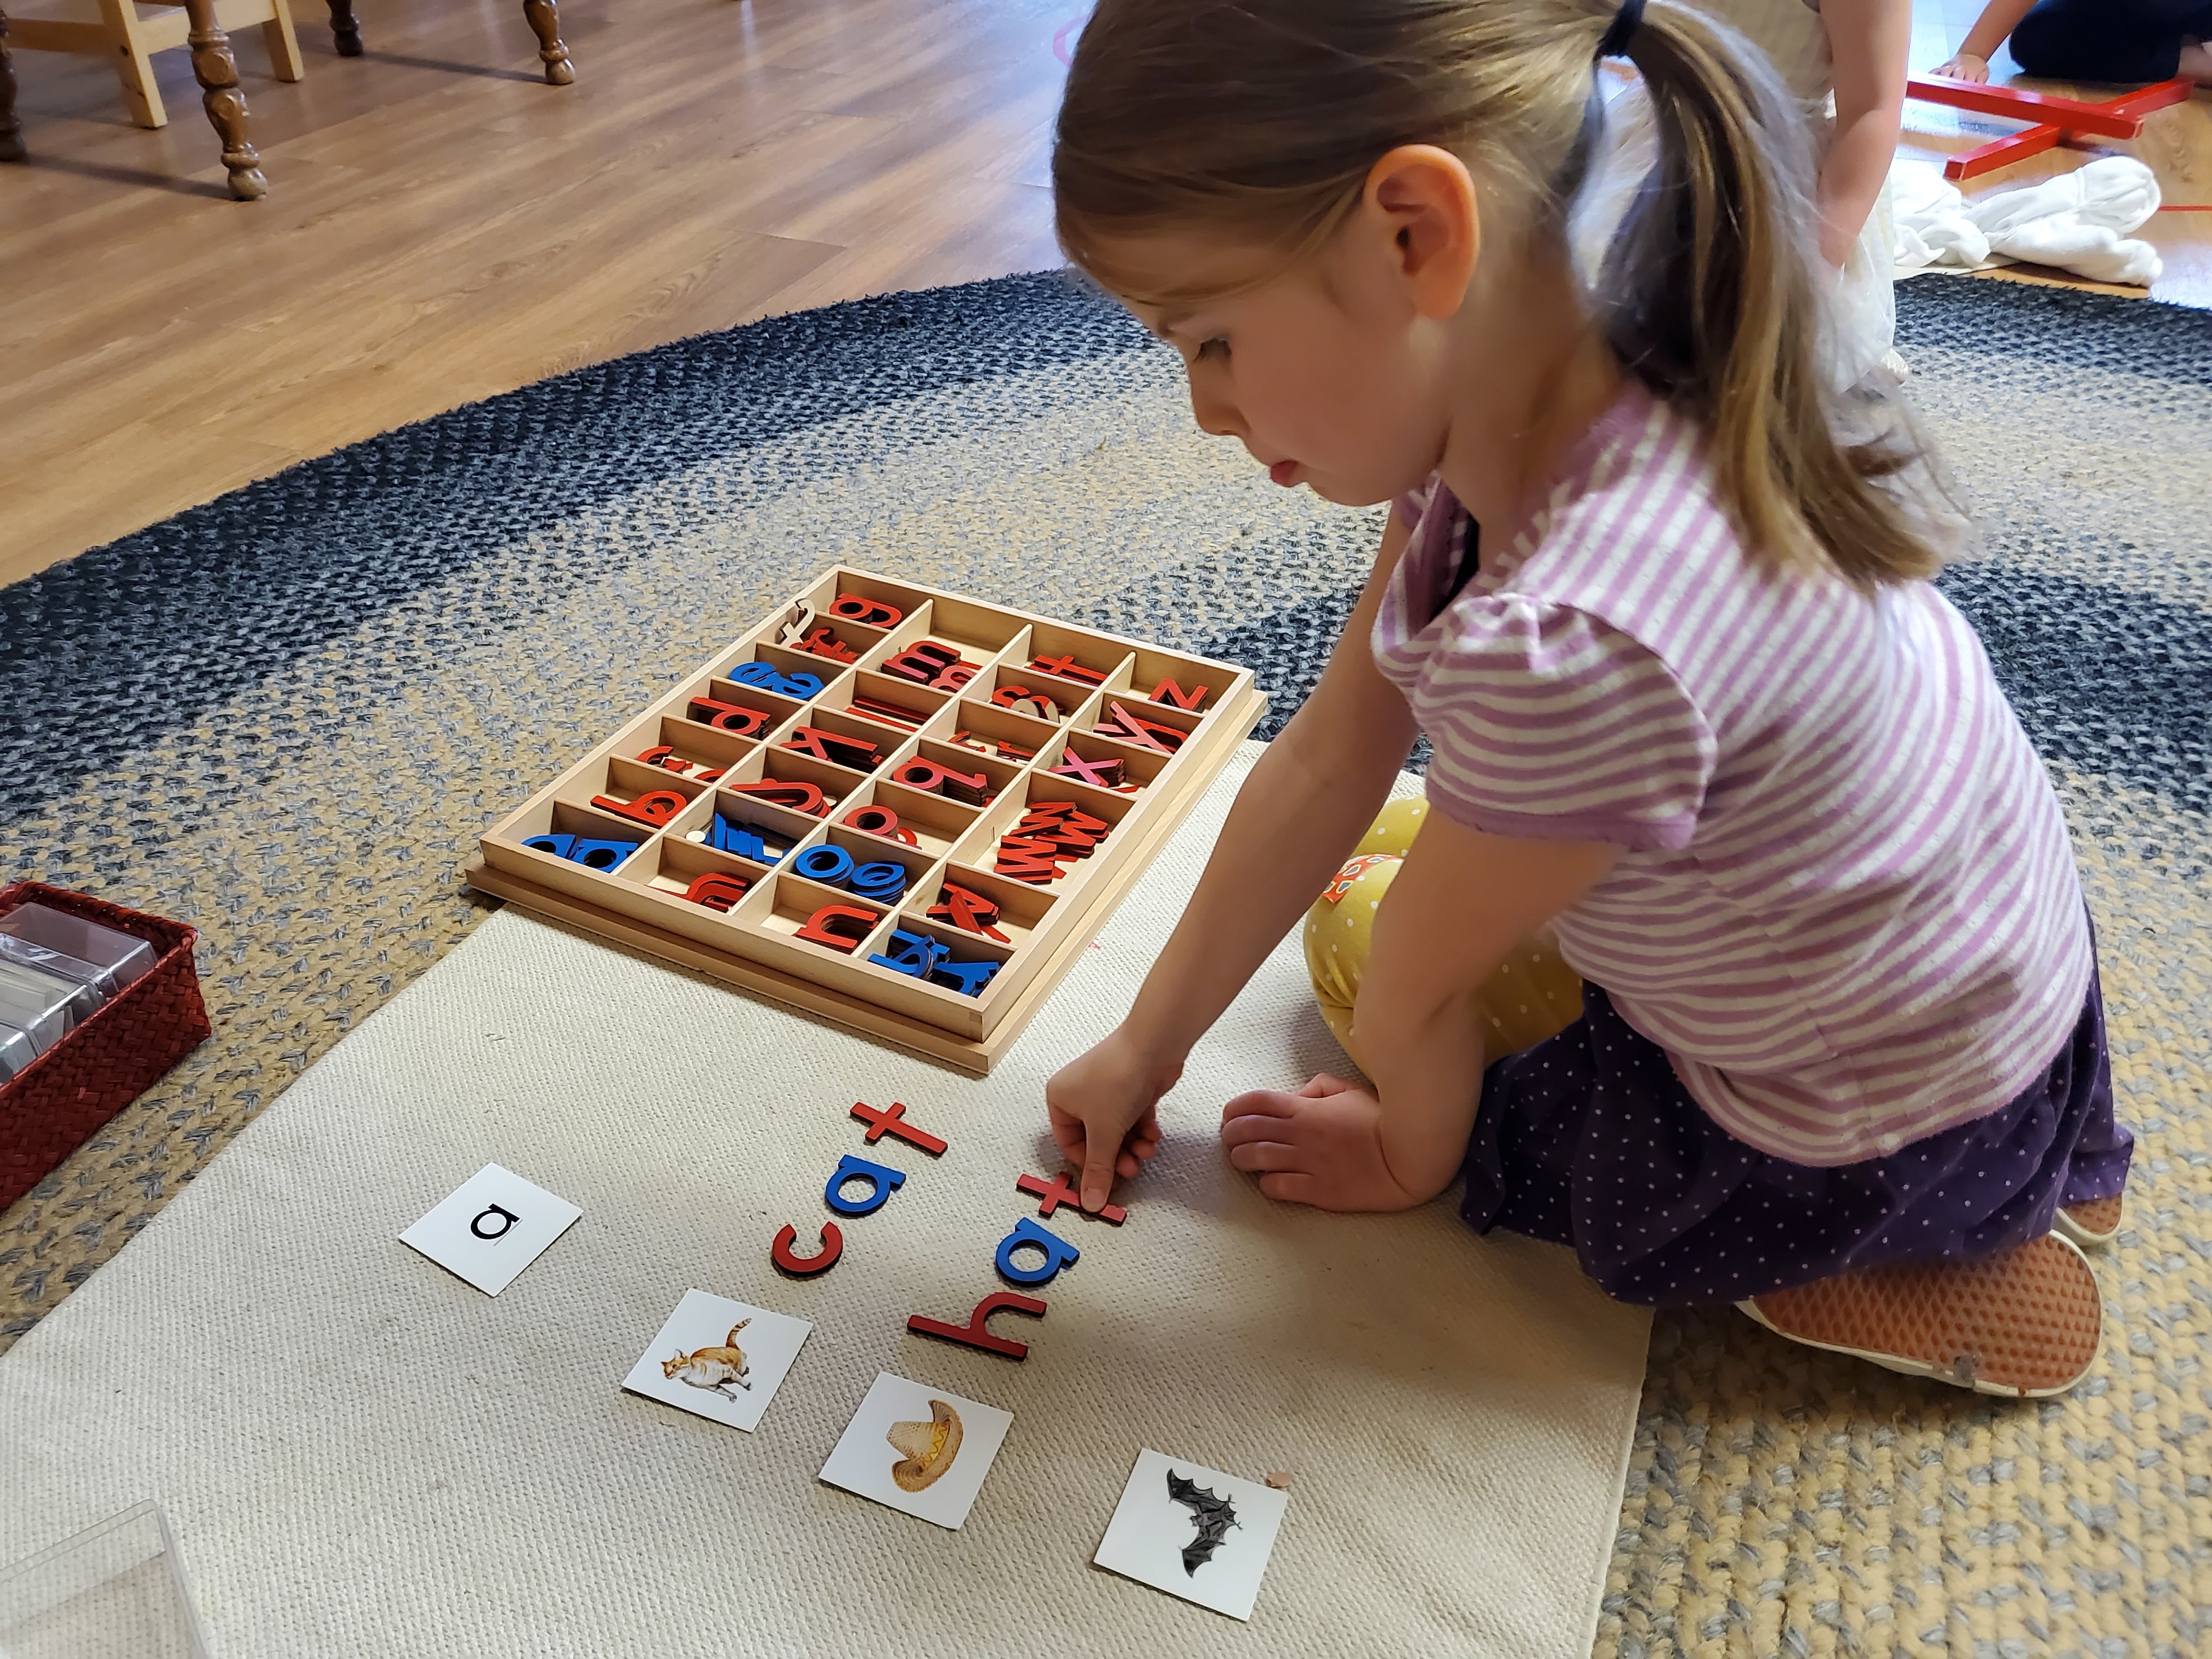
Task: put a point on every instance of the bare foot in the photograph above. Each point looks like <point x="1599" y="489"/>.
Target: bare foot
<point x="2195" y="62"/>
<point x="1322" y="1146"/>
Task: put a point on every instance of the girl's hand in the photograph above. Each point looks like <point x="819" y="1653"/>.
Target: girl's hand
<point x="1966" y="67"/>
<point x="1322" y="1146"/>
<point x="1102" y="1106"/>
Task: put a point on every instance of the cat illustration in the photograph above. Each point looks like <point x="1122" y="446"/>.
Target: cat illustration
<point x="713" y="1368"/>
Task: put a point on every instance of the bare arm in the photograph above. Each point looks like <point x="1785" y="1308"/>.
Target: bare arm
<point x="1867" y="41"/>
<point x="1298" y="818"/>
<point x="1461" y="902"/>
<point x="1304" y="808"/>
<point x="1991" y="30"/>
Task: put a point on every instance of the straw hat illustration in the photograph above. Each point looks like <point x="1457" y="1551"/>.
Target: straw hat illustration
<point x="927" y="1449"/>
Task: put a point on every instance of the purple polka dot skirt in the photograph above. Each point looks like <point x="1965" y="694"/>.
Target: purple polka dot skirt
<point x="1588" y="1139"/>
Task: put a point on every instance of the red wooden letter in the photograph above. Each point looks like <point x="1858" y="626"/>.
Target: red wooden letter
<point x="1175" y="696"/>
<point x="893" y="1121"/>
<point x="927" y="774"/>
<point x="799" y="797"/>
<point x="824" y="643"/>
<point x="1059" y="1193"/>
<point x="869" y="613"/>
<point x="1067" y="668"/>
<point x="716" y="891"/>
<point x="840" y="927"/>
<point x="728" y="717"/>
<point x="974" y="1334"/>
<point x="654" y="806"/>
<point x="923" y="662"/>
<point x="1106" y="774"/>
<point x="833" y="1246"/>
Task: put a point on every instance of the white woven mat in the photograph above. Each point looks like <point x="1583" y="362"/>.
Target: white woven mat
<point x="363" y="1456"/>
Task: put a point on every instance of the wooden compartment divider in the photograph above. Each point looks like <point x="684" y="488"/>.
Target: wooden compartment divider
<point x="754" y="944"/>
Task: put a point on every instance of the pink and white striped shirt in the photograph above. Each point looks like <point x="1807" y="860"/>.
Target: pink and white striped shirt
<point x="1847" y="908"/>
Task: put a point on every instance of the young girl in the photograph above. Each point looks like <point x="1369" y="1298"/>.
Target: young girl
<point x="1720" y="779"/>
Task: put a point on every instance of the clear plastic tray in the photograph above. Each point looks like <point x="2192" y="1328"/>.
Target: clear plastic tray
<point x="53" y="941"/>
<point x="15" y="1050"/>
<point x="45" y="1004"/>
<point x="116" y="1588"/>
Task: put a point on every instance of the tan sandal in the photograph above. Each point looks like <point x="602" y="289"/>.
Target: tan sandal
<point x="2026" y="1324"/>
<point x="2091" y="1222"/>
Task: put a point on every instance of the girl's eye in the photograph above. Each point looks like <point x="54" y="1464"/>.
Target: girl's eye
<point x="1216" y="348"/>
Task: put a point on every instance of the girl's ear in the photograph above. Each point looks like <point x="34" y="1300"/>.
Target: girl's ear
<point x="1422" y="197"/>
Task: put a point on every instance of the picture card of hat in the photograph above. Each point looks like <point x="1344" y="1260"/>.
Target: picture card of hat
<point x="719" y="1359"/>
<point x="491" y="1227"/>
<point x="1194" y="1532"/>
<point x="921" y="1450"/>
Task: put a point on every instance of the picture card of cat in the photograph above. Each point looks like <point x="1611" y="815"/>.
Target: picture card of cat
<point x="917" y="1449"/>
<point x="1194" y="1532"/>
<point x="493" y="1225"/>
<point x="719" y="1359"/>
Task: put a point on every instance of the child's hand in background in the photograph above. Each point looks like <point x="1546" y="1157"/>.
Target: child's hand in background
<point x="1965" y="67"/>
<point x="1322" y="1146"/>
<point x="1102" y="1106"/>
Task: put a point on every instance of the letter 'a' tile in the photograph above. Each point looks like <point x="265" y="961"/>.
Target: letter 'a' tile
<point x="491" y="1227"/>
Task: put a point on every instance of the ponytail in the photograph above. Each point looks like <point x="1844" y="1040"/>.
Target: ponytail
<point x="1709" y="299"/>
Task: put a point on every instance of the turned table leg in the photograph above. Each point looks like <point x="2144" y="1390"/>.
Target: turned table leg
<point x="11" y="130"/>
<point x="546" y="17"/>
<point x="345" y="28"/>
<point x="217" y="73"/>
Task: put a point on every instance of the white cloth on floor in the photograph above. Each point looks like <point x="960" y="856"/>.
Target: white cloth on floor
<point x="2078" y="221"/>
<point x="362" y="1455"/>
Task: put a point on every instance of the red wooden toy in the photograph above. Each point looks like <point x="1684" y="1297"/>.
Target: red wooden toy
<point x="805" y="798"/>
<point x="974" y="1334"/>
<point x="833" y="1246"/>
<point x="730" y="717"/>
<point x="1057" y="1192"/>
<point x="840" y="927"/>
<point x="653" y="808"/>
<point x="891" y="1119"/>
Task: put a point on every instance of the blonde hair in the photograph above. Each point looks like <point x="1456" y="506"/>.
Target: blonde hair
<point x="1258" y="121"/>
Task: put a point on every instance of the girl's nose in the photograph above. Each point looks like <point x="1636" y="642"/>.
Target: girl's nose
<point x="1216" y="417"/>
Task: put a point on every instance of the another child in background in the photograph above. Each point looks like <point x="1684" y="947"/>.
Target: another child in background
<point x="2124" y="41"/>
<point x="1721" y="780"/>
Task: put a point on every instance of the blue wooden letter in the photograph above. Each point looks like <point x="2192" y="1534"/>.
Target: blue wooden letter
<point x="1058" y="1253"/>
<point x="883" y="1181"/>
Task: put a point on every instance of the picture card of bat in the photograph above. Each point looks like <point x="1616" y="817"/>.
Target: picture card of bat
<point x="1194" y="1532"/>
<point x="491" y="1227"/>
<point x="917" y="1449"/>
<point x="719" y="1359"/>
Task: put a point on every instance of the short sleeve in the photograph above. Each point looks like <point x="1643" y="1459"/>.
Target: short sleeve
<point x="1410" y="506"/>
<point x="1552" y="724"/>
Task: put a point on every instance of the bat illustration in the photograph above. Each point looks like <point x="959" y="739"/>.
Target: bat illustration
<point x="1212" y="1515"/>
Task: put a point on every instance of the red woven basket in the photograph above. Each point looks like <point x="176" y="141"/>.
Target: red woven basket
<point x="53" y="1105"/>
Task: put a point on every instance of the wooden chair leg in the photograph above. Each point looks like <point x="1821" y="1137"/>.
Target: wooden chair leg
<point x="134" y="65"/>
<point x="283" y="44"/>
<point x="217" y="70"/>
<point x="11" y="130"/>
<point x="345" y="28"/>
<point x="546" y="18"/>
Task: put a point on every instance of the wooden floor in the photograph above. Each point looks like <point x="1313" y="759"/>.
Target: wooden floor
<point x="442" y="226"/>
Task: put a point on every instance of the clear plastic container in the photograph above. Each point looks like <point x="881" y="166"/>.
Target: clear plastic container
<point x="15" y="1050"/>
<point x="45" y="1004"/>
<point x="116" y="1588"/>
<point x="53" y="941"/>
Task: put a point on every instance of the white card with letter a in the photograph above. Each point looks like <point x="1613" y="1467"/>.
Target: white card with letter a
<point x="494" y="1226"/>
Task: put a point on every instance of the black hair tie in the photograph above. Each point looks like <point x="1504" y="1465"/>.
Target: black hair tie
<point x="1625" y="21"/>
